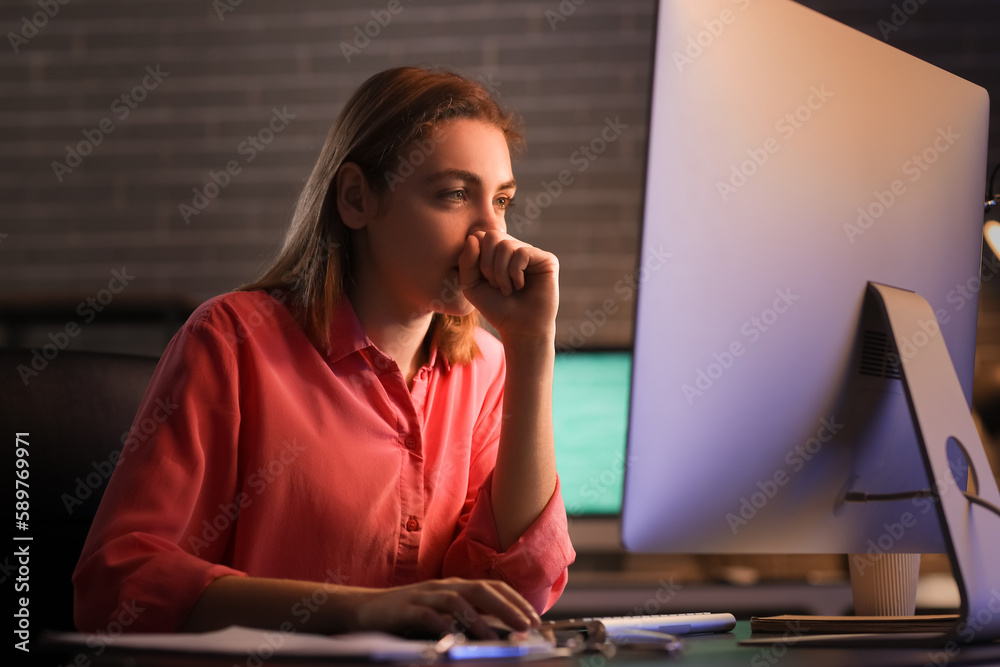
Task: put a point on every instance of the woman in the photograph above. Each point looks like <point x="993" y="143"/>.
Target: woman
<point x="342" y="446"/>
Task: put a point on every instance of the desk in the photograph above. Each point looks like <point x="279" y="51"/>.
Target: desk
<point x="717" y="650"/>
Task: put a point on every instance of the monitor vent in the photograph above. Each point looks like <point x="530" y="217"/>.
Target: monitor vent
<point x="878" y="356"/>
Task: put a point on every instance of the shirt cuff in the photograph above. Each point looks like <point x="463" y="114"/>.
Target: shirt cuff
<point x="157" y="596"/>
<point x="536" y="564"/>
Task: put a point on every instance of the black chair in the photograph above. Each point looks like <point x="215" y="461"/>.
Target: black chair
<point x="75" y="409"/>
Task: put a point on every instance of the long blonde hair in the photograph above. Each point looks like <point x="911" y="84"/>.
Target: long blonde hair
<point x="385" y="116"/>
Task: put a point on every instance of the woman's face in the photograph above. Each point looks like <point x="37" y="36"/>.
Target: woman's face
<point x="455" y="182"/>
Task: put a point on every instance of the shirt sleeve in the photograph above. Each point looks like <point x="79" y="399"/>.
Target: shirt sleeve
<point x="536" y="565"/>
<point x="164" y="522"/>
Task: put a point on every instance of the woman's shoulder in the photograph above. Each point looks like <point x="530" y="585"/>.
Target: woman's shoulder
<point x="241" y="311"/>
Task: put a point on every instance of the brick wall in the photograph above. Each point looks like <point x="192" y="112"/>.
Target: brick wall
<point x="163" y="92"/>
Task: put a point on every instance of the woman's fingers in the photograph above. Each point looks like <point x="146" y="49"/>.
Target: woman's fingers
<point x="515" y="598"/>
<point x="500" y="268"/>
<point x="448" y="605"/>
<point x="468" y="262"/>
<point x="487" y="256"/>
<point x="498" y="599"/>
<point x="503" y="260"/>
<point x="453" y="606"/>
<point x="518" y="264"/>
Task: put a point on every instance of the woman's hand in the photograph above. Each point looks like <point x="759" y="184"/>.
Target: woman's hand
<point x="429" y="607"/>
<point x="446" y="605"/>
<point x="513" y="284"/>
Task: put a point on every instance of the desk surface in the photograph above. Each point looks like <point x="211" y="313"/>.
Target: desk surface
<point x="721" y="650"/>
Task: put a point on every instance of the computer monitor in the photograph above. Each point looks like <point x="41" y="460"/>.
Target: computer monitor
<point x="590" y="393"/>
<point x="791" y="161"/>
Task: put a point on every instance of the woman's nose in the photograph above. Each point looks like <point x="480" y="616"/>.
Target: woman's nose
<point x="489" y="218"/>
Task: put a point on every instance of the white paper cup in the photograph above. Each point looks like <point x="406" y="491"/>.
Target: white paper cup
<point x="884" y="584"/>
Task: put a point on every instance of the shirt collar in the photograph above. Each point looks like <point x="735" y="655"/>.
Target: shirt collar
<point x="347" y="336"/>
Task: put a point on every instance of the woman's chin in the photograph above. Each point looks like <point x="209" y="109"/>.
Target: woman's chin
<point x="456" y="305"/>
<point x="451" y="300"/>
<point x="459" y="307"/>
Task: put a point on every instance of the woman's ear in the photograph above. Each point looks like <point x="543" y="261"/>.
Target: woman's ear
<point x="356" y="202"/>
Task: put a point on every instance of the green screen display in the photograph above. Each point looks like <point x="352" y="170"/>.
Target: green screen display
<point x="590" y="416"/>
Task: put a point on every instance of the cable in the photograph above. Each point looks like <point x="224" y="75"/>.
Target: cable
<point x="991" y="194"/>
<point x="860" y="497"/>
<point x="982" y="503"/>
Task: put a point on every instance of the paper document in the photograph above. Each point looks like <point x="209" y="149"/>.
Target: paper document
<point x="243" y="641"/>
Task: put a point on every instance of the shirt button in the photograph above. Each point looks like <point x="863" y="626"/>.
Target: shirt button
<point x="412" y="524"/>
<point x="410" y="442"/>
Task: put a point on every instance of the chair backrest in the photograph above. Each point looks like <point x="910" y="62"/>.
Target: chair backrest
<point x="75" y="409"/>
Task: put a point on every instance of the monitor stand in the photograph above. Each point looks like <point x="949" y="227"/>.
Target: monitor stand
<point x="940" y="414"/>
<point x="971" y="531"/>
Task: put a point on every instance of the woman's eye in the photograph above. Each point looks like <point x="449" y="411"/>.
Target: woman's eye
<point x="456" y="195"/>
<point x="505" y="202"/>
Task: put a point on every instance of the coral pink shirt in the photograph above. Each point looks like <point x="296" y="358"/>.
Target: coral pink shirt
<point x="254" y="454"/>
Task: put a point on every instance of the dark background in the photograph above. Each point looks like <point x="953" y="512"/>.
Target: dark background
<point x="228" y="71"/>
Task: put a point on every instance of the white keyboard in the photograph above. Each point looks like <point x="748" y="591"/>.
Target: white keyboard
<point x="607" y="628"/>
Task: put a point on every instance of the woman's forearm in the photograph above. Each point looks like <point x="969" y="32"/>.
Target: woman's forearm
<point x="525" y="474"/>
<point x="433" y="607"/>
<point x="271" y="603"/>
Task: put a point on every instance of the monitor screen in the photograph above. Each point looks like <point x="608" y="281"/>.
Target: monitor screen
<point x="792" y="160"/>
